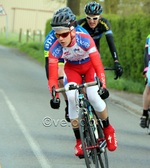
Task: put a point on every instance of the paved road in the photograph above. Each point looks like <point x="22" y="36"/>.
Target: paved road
<point x="24" y="107"/>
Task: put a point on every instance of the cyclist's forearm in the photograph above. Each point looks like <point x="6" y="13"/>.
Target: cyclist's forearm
<point x="52" y="72"/>
<point x="112" y="47"/>
<point x="98" y="66"/>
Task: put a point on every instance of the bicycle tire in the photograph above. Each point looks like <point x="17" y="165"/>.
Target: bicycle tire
<point x="102" y="151"/>
<point x="148" y="126"/>
<point x="88" y="140"/>
<point x="148" y="122"/>
<point x="103" y="157"/>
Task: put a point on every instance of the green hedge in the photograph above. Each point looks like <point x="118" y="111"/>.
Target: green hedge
<point x="129" y="34"/>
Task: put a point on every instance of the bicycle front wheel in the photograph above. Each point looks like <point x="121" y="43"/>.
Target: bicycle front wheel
<point x="88" y="141"/>
<point x="103" y="158"/>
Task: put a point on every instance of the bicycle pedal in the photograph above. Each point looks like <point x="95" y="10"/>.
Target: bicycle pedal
<point x="81" y="157"/>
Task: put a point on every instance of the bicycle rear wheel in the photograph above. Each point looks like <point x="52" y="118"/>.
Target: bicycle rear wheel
<point x="88" y="141"/>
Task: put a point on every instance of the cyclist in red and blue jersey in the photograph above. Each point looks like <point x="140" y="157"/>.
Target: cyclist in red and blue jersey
<point x="49" y="40"/>
<point x="146" y="93"/>
<point x="96" y="26"/>
<point x="81" y="58"/>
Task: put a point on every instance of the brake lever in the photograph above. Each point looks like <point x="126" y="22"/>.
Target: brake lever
<point x="99" y="83"/>
<point x="112" y="68"/>
<point x="116" y="77"/>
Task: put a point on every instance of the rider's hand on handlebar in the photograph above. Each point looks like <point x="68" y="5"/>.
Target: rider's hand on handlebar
<point x="118" y="69"/>
<point x="104" y="93"/>
<point x="55" y="103"/>
<point x="145" y="71"/>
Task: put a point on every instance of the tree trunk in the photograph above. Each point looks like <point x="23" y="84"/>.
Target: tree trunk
<point x="74" y="5"/>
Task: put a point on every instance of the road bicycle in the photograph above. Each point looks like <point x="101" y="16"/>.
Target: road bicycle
<point x="91" y="130"/>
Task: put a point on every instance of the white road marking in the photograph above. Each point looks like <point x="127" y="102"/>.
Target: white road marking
<point x="33" y="144"/>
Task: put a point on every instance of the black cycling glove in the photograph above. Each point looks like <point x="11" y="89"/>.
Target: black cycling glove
<point x="118" y="69"/>
<point x="104" y="93"/>
<point x="55" y="103"/>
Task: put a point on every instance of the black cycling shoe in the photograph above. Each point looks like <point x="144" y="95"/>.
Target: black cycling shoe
<point x="66" y="114"/>
<point x="144" y="121"/>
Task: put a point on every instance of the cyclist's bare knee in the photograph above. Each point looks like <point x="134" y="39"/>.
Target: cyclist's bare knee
<point x="75" y="123"/>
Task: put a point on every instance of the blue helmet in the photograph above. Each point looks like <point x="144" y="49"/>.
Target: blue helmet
<point x="93" y="8"/>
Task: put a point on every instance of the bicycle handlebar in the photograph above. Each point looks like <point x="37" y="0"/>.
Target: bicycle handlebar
<point x="116" y="76"/>
<point x="73" y="87"/>
<point x="109" y="68"/>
